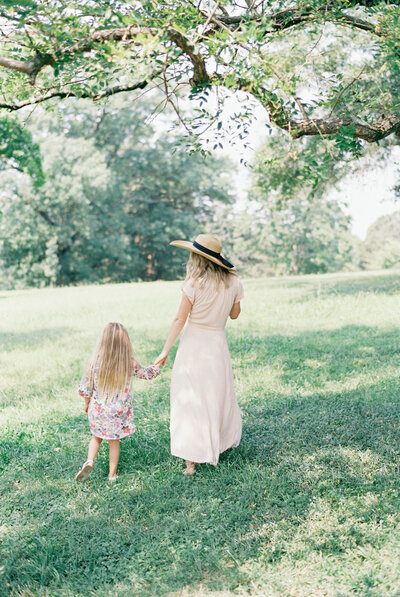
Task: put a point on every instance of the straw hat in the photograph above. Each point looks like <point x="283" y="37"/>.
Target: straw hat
<point x="208" y="246"/>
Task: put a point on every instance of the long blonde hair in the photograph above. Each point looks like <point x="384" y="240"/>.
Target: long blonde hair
<point x="112" y="360"/>
<point x="203" y="270"/>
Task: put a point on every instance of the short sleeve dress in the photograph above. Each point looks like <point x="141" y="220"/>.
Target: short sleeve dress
<point x="205" y="415"/>
<point x="111" y="417"/>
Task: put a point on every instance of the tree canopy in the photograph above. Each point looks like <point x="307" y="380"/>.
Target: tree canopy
<point x="381" y="248"/>
<point x="115" y="193"/>
<point x="317" y="67"/>
<point x="18" y="151"/>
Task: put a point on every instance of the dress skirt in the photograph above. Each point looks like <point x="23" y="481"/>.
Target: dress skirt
<point x="205" y="416"/>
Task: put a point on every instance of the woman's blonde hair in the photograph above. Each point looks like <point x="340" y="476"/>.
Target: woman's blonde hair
<point x="112" y="360"/>
<point x="203" y="270"/>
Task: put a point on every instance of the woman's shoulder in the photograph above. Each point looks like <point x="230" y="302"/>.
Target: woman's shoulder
<point x="234" y="280"/>
<point x="237" y="287"/>
<point x="189" y="288"/>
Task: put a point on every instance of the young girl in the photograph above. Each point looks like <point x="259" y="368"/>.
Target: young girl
<point x="106" y="390"/>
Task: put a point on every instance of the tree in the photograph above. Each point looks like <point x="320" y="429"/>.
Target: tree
<point x="381" y="248"/>
<point x="116" y="193"/>
<point x="303" y="236"/>
<point x="308" y="237"/>
<point x="298" y="228"/>
<point x="18" y="151"/>
<point x="318" y="67"/>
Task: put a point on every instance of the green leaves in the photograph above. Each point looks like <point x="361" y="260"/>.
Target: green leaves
<point x="17" y="150"/>
<point x="115" y="194"/>
<point x="347" y="141"/>
<point x="298" y="60"/>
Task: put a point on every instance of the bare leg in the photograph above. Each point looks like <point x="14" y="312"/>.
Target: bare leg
<point x="114" y="457"/>
<point x="190" y="468"/>
<point x="87" y="467"/>
<point x="94" y="446"/>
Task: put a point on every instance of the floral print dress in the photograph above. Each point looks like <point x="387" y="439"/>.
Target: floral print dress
<point x="111" y="417"/>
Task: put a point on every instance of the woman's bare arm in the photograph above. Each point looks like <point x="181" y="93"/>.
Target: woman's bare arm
<point x="235" y="311"/>
<point x="176" y="328"/>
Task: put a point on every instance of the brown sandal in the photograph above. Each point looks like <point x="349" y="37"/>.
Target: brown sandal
<point x="85" y="471"/>
<point x="190" y="468"/>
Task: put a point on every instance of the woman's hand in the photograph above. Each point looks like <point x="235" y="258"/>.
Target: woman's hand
<point x="162" y="357"/>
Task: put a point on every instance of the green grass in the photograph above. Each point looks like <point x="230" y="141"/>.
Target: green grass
<point x="308" y="505"/>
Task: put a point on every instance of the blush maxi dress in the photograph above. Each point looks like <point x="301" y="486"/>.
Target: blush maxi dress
<point x="205" y="416"/>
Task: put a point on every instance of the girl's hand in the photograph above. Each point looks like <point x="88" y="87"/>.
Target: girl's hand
<point x="162" y="357"/>
<point x="86" y="407"/>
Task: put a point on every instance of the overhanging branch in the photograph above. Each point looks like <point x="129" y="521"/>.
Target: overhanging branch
<point x="85" y="95"/>
<point x="291" y="17"/>
<point x="34" y="65"/>
<point x="331" y="126"/>
<point x="200" y="76"/>
<point x="371" y="133"/>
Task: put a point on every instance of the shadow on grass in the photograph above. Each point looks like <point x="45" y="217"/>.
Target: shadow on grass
<point x="388" y="283"/>
<point x="312" y="359"/>
<point x="314" y="476"/>
<point x="10" y="341"/>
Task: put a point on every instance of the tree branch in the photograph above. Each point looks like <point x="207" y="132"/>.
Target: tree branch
<point x="285" y="19"/>
<point x="18" y="65"/>
<point x="343" y="91"/>
<point x="331" y="126"/>
<point x="371" y="133"/>
<point x="200" y="75"/>
<point x="33" y="66"/>
<point x="30" y="67"/>
<point x="279" y="21"/>
<point x="85" y="95"/>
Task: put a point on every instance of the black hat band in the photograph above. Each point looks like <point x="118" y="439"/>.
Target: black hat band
<point x="212" y="254"/>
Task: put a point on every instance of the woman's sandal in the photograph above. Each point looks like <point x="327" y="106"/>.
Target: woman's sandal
<point x="85" y="471"/>
<point x="190" y="468"/>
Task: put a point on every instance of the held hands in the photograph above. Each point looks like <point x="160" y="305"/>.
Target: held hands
<point x="160" y="360"/>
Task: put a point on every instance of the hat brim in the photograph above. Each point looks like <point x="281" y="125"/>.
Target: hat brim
<point x="188" y="246"/>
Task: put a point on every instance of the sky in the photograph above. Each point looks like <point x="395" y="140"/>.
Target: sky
<point x="370" y="194"/>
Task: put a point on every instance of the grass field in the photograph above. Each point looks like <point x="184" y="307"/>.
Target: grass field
<point x="308" y="505"/>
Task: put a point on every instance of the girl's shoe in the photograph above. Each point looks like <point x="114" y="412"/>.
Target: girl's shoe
<point x="112" y="479"/>
<point x="85" y="471"/>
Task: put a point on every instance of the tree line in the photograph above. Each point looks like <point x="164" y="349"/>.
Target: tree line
<point x="95" y="194"/>
<point x="113" y="194"/>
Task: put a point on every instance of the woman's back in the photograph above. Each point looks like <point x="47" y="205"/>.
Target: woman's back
<point x="212" y="302"/>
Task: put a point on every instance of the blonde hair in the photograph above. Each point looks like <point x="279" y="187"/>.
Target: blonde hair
<point x="203" y="270"/>
<point x="112" y="360"/>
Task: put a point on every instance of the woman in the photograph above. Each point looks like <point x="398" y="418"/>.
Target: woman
<point x="205" y="416"/>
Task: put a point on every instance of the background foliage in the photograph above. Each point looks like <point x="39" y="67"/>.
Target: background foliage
<point x="116" y="193"/>
<point x="93" y="192"/>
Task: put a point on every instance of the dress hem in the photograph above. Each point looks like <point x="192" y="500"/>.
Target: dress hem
<point x="214" y="463"/>
<point x="111" y="438"/>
